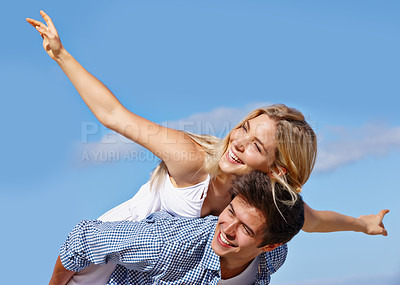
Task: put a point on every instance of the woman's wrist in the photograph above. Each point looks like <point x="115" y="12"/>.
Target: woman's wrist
<point x="360" y="225"/>
<point x="62" y="56"/>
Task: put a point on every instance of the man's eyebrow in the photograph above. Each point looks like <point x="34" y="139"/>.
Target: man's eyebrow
<point x="246" y="226"/>
<point x="256" y="138"/>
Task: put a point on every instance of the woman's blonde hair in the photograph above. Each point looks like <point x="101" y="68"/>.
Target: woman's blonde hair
<point x="295" y="152"/>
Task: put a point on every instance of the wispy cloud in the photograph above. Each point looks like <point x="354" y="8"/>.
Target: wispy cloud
<point x="113" y="147"/>
<point x="217" y="122"/>
<point x="352" y="144"/>
<point x="338" y="146"/>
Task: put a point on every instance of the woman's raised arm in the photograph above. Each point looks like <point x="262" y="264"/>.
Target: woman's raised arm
<point x="181" y="155"/>
<point x="95" y="94"/>
<point x="328" y="221"/>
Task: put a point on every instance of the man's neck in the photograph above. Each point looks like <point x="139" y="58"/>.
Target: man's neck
<point x="232" y="269"/>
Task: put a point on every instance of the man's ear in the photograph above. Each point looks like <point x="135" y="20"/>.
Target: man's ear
<point x="270" y="247"/>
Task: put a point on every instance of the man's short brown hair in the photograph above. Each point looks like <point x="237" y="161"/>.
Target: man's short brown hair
<point x="283" y="212"/>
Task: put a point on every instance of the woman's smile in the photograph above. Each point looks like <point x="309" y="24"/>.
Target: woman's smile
<point x="232" y="157"/>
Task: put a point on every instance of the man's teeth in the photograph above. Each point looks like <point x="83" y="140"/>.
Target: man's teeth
<point x="224" y="240"/>
<point x="234" y="157"/>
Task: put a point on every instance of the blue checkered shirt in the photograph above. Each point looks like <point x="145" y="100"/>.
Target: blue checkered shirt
<point x="161" y="249"/>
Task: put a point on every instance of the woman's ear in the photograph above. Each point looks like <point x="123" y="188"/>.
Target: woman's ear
<point x="279" y="170"/>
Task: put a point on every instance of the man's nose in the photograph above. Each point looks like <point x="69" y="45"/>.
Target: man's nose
<point x="230" y="230"/>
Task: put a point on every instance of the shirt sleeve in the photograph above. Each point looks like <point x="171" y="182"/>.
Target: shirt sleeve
<point x="134" y="245"/>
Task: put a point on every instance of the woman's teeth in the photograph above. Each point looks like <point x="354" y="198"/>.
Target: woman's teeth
<point x="234" y="157"/>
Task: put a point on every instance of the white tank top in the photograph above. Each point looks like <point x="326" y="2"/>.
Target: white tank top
<point x="183" y="202"/>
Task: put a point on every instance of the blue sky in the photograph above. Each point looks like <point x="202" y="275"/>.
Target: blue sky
<point x="201" y="65"/>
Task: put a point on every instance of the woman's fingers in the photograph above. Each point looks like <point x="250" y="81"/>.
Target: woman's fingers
<point x="42" y="31"/>
<point x="48" y="21"/>
<point x="42" y="28"/>
<point x="382" y="213"/>
<point x="35" y="23"/>
<point x="38" y="25"/>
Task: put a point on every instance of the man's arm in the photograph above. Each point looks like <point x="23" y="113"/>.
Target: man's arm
<point x="135" y="245"/>
<point x="60" y="276"/>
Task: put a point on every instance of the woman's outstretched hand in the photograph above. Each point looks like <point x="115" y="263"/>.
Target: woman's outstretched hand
<point x="51" y="40"/>
<point x="374" y="224"/>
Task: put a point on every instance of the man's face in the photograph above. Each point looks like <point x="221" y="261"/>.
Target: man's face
<point x="239" y="232"/>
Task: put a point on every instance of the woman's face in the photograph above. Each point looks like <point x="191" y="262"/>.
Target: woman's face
<point x="251" y="147"/>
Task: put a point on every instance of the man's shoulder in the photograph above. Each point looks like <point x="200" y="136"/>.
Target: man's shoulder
<point x="271" y="261"/>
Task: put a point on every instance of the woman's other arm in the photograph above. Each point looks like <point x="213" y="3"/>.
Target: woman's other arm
<point x="328" y="221"/>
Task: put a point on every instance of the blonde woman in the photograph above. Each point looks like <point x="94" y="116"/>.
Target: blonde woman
<point x="196" y="171"/>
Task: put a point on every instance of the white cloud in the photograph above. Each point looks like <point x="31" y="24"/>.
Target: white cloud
<point x="217" y="122"/>
<point x="352" y="144"/>
<point x="113" y="147"/>
<point x="337" y="145"/>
